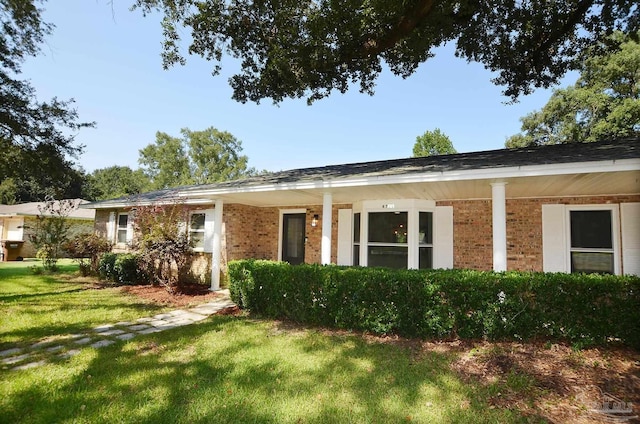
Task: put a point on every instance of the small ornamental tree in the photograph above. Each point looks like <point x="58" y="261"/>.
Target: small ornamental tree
<point x="86" y="249"/>
<point x="51" y="230"/>
<point x="163" y="244"/>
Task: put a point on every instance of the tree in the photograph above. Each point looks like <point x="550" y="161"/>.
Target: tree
<point x="307" y="48"/>
<point x="603" y="103"/>
<point x="116" y="181"/>
<point x="51" y="230"/>
<point x="198" y="157"/>
<point x="24" y="120"/>
<point x="433" y="143"/>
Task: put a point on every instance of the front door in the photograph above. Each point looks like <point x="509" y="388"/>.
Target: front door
<point x="293" y="237"/>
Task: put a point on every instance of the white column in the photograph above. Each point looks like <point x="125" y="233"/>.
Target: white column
<point x="327" y="201"/>
<point x="499" y="213"/>
<point x="216" y="254"/>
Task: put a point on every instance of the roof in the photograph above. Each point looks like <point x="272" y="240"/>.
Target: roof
<point x="455" y="164"/>
<point x="32" y="209"/>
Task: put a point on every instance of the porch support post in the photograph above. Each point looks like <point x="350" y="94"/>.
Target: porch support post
<point x="217" y="246"/>
<point x="327" y="200"/>
<point x="499" y="213"/>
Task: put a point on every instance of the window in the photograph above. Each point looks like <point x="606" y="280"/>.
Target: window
<point x="121" y="234"/>
<point x="387" y="239"/>
<point x="196" y="230"/>
<point x="425" y="240"/>
<point x="591" y="248"/>
<point x="356" y="239"/>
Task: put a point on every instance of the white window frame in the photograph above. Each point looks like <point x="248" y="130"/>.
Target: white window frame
<point x="615" y="233"/>
<point x="413" y="207"/>
<point x="203" y="230"/>
<point x="126" y="229"/>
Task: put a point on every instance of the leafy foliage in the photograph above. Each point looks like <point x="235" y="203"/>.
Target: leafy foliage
<point x="433" y="143"/>
<point x="198" y="157"/>
<point x="584" y="309"/>
<point x="116" y="181"/>
<point x="51" y="230"/>
<point x="293" y="49"/>
<point x="86" y="249"/>
<point x="603" y="104"/>
<point x="162" y="243"/>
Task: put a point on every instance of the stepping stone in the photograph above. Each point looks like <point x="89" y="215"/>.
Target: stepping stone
<point x="9" y="352"/>
<point x="192" y="316"/>
<point x="15" y="359"/>
<point x="150" y="330"/>
<point x="138" y="327"/>
<point x="162" y="316"/>
<point x="158" y="323"/>
<point x="123" y="323"/>
<point x="144" y="319"/>
<point x="102" y="343"/>
<point x="103" y="328"/>
<point x="125" y="336"/>
<point x="54" y="349"/>
<point x="83" y="341"/>
<point x="113" y="332"/>
<point x="70" y="353"/>
<point x="30" y="365"/>
<point x="177" y="312"/>
<point x="40" y="344"/>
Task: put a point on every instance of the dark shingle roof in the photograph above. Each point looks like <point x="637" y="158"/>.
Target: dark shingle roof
<point x="492" y="159"/>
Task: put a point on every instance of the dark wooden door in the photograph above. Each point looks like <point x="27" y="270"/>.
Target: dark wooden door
<point x="293" y="237"/>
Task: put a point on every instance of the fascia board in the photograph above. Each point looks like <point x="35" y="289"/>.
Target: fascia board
<point x="458" y="175"/>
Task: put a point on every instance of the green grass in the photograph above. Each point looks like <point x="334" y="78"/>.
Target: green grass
<point x="230" y="369"/>
<point x="34" y="307"/>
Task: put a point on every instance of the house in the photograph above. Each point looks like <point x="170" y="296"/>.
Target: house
<point x="17" y="222"/>
<point x="560" y="208"/>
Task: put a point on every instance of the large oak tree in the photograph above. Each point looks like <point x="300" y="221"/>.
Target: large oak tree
<point x="310" y="48"/>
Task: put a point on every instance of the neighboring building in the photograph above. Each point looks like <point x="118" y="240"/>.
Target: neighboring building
<point x="17" y="221"/>
<point x="561" y="208"/>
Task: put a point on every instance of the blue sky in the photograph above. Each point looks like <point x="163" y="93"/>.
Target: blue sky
<point x="108" y="59"/>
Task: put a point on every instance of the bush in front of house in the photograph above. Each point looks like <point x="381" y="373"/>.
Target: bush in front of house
<point x="86" y="249"/>
<point x="121" y="268"/>
<point x="583" y="309"/>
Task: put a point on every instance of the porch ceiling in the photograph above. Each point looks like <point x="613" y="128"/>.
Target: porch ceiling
<point x="579" y="184"/>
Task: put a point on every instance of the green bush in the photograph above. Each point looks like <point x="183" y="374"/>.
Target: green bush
<point x="106" y="266"/>
<point x="583" y="309"/>
<point x="126" y="269"/>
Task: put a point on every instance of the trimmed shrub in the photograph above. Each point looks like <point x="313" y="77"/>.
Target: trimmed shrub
<point x="585" y="309"/>
<point x="126" y="269"/>
<point x="106" y="266"/>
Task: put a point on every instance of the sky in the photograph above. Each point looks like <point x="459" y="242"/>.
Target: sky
<point x="107" y="58"/>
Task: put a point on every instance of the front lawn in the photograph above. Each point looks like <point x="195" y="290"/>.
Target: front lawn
<point x="236" y="369"/>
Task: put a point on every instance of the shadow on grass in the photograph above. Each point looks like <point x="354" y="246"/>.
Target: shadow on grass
<point x="231" y="369"/>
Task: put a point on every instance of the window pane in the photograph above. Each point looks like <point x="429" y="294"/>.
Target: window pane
<point x="591" y="229"/>
<point x="122" y="236"/>
<point x="426" y="258"/>
<point x="388" y="256"/>
<point x="425" y="232"/>
<point x="197" y="239"/>
<point x="197" y="221"/>
<point x="592" y="262"/>
<point x="122" y="221"/>
<point x="356" y="255"/>
<point x="388" y="227"/>
<point x="356" y="227"/>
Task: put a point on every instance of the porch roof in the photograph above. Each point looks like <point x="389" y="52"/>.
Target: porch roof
<point x="607" y="167"/>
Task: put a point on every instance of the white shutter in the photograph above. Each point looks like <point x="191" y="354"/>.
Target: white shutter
<point x="129" y="227"/>
<point x="443" y="237"/>
<point x="208" y="230"/>
<point x="630" y="224"/>
<point x="345" y="236"/>
<point x="554" y="239"/>
<point x="111" y="227"/>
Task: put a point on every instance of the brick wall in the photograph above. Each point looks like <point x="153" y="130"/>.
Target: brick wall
<point x="472" y="230"/>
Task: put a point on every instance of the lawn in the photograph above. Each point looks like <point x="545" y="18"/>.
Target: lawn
<point x="238" y="369"/>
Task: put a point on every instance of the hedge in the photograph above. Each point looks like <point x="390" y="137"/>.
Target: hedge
<point x="121" y="268"/>
<point x="584" y="309"/>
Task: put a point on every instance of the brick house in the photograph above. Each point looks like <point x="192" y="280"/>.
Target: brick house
<point x="561" y="208"/>
<point x="18" y="221"/>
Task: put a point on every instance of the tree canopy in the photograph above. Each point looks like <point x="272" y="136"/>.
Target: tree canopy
<point x="309" y="48"/>
<point x="198" y="157"/>
<point x="604" y="103"/>
<point x="36" y="137"/>
<point x="116" y="181"/>
<point x="433" y="143"/>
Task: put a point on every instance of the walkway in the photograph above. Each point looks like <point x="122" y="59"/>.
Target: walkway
<point x="108" y="334"/>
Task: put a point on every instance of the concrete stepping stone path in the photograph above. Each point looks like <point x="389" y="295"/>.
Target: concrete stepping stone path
<point x="108" y="334"/>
